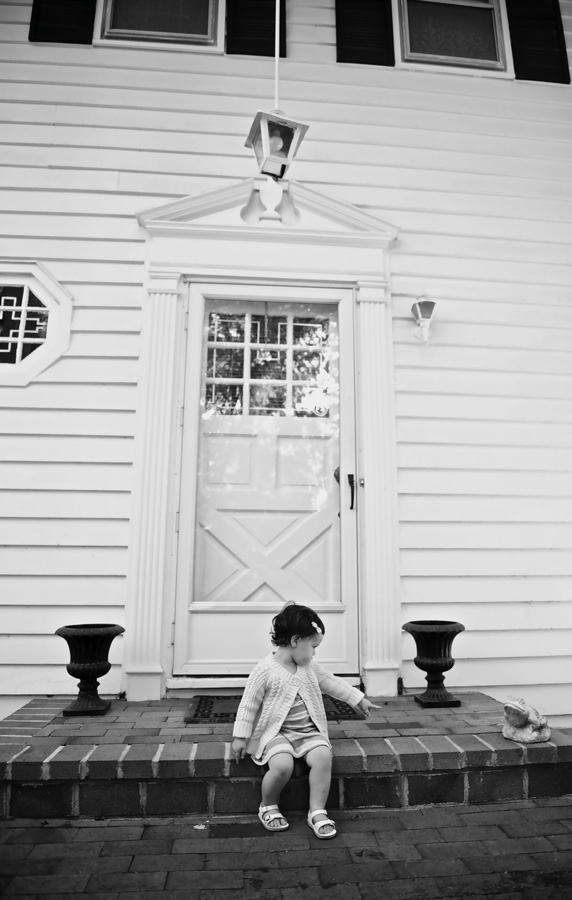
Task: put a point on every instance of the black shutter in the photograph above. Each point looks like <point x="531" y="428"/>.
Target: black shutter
<point x="537" y="39"/>
<point x="250" y="27"/>
<point x="364" y="32"/>
<point x="62" y="21"/>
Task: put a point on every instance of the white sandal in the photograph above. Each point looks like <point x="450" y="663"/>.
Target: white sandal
<point x="266" y="817"/>
<point x="315" y="826"/>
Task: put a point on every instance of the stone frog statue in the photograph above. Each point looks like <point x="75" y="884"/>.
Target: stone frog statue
<point x="524" y="724"/>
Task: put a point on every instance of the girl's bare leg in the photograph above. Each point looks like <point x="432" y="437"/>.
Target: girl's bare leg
<point x="320" y="762"/>
<point x="280" y="769"/>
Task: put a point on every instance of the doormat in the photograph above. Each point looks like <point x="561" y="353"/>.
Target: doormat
<point x="222" y="710"/>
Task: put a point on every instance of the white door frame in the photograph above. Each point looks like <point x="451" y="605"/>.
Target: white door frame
<point x="348" y="635"/>
<point x="204" y="239"/>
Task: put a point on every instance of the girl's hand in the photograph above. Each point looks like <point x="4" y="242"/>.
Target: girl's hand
<point x="365" y="705"/>
<point x="238" y="749"/>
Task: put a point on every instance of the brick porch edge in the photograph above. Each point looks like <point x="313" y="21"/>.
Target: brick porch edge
<point x="202" y="778"/>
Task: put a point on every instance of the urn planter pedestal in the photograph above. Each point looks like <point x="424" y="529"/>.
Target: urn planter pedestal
<point x="89" y="648"/>
<point x="434" y="639"/>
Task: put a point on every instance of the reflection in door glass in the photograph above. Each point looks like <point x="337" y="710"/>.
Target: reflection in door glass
<point x="226" y="328"/>
<point x="270" y="364"/>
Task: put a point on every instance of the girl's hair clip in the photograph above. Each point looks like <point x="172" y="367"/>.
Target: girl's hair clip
<point x="318" y="629"/>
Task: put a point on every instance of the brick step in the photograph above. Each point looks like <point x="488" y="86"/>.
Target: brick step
<point x="143" y="759"/>
<point x="201" y="778"/>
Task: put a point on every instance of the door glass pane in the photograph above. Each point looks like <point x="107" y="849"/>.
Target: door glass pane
<point x="268" y="329"/>
<point x="223" y="400"/>
<point x="452" y="30"/>
<point x="265" y="364"/>
<point x="267" y="400"/>
<point x="226" y="328"/>
<point x="270" y="363"/>
<point x="225" y="363"/>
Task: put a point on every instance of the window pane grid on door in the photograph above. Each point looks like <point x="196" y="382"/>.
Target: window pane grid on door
<point x="268" y="364"/>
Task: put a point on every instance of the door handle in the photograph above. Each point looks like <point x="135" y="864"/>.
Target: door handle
<point x="352" y="484"/>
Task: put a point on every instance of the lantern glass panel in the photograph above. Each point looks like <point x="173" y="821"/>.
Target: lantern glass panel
<point x="257" y="145"/>
<point x="280" y="138"/>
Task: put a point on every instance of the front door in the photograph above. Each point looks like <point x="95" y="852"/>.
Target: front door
<point x="266" y="510"/>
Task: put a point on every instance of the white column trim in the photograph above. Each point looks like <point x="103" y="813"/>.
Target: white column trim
<point x="380" y="600"/>
<point x="150" y="532"/>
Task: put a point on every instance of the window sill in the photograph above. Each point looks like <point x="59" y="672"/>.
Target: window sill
<point x="454" y="70"/>
<point x="168" y="46"/>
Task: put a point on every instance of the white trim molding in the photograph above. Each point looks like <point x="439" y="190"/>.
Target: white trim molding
<point x="150" y="532"/>
<point x="379" y="591"/>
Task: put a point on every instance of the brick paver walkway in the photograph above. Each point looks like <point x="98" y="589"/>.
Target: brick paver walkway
<point x="511" y="851"/>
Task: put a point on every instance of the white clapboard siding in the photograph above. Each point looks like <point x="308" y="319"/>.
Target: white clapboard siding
<point x="65" y="476"/>
<point x="53" y="590"/>
<point x="489" y="590"/>
<point x="107" y="346"/>
<point x="44" y="679"/>
<point x="498" y="359"/>
<point x="45" y="619"/>
<point x="70" y="396"/>
<point x="468" y="562"/>
<point x="464" y="456"/>
<point x="122" y="230"/>
<point x="501" y="483"/>
<point x="486" y="508"/>
<point x="47" y="532"/>
<point x="529" y="616"/>
<point x="112" y="506"/>
<point x="471" y="433"/>
<point x="486" y="535"/>
<point x="63" y="560"/>
<point x="56" y="449"/>
<point x="113" y="296"/>
<point x="475" y="173"/>
<point x="483" y="408"/>
<point x="116" y="371"/>
<point x="67" y="422"/>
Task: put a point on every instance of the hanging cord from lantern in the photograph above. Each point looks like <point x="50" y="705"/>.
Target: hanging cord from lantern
<point x="276" y="54"/>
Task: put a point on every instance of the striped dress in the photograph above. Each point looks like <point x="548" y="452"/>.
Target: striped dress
<point x="297" y="736"/>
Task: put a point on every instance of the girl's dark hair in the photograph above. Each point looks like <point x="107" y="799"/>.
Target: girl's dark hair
<point x="294" y="619"/>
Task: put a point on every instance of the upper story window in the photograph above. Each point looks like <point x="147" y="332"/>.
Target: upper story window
<point x="35" y="316"/>
<point x="465" y="33"/>
<point x="170" y="20"/>
<point x="456" y="35"/>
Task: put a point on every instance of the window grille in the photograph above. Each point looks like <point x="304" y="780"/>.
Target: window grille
<point x="23" y="323"/>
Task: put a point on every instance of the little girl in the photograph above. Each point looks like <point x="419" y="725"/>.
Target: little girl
<point x="281" y="717"/>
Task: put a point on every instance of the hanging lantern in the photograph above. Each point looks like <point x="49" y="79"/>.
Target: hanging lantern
<point x="275" y="141"/>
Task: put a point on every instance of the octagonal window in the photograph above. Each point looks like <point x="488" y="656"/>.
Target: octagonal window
<point x="35" y="315"/>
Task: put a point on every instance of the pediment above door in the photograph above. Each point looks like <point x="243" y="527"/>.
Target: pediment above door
<point x="317" y="218"/>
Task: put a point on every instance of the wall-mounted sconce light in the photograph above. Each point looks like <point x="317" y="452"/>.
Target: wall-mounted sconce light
<point x="422" y="311"/>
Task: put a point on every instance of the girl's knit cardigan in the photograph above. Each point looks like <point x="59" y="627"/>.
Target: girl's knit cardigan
<point x="270" y="692"/>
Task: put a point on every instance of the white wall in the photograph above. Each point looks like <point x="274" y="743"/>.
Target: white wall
<point x="474" y="171"/>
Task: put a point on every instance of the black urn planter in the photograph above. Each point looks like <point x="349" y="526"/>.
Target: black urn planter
<point x="89" y="648"/>
<point x="434" y="639"/>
